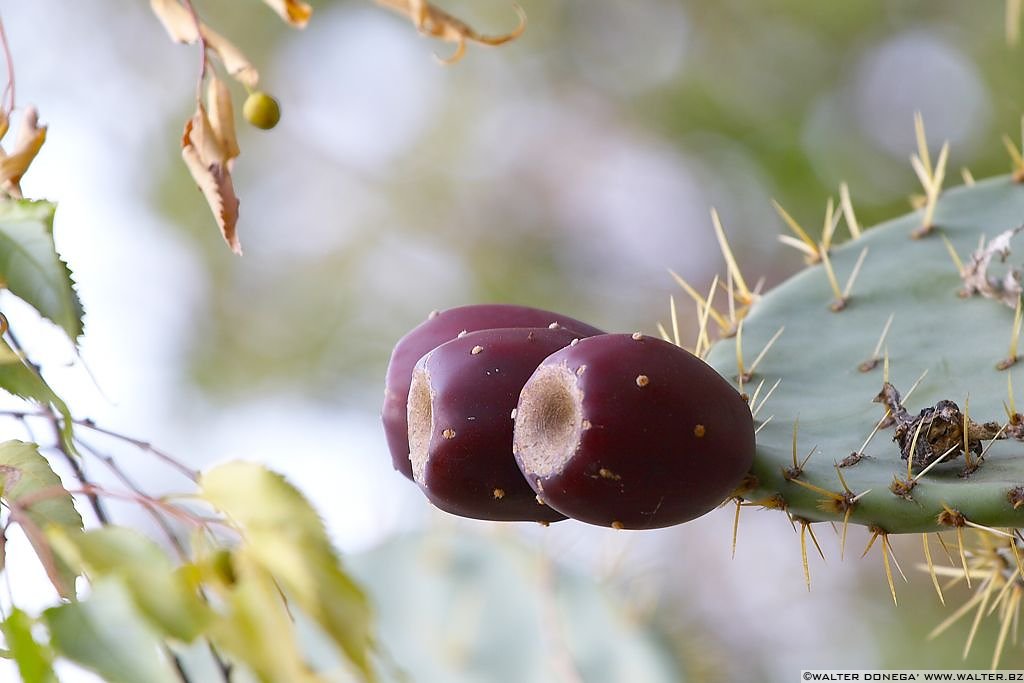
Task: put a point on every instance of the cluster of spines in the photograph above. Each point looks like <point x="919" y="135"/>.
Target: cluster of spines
<point x="993" y="561"/>
<point x="741" y="298"/>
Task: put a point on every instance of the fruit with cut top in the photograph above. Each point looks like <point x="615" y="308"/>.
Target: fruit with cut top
<point x="460" y="412"/>
<point x="629" y="431"/>
<point x="439" y="328"/>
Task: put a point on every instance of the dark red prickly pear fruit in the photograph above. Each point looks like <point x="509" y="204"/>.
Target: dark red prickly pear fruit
<point x="439" y="328"/>
<point x="629" y="431"/>
<point x="460" y="422"/>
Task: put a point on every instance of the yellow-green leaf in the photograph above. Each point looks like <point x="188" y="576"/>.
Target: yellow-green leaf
<point x="106" y="634"/>
<point x="257" y="629"/>
<point x="162" y="594"/>
<point x="283" y="533"/>
<point x="35" y="661"/>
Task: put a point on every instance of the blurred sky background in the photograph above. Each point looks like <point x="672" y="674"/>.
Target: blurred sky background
<point x="568" y="170"/>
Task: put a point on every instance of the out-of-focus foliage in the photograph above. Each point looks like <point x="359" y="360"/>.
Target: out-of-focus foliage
<point x="38" y="502"/>
<point x="569" y="169"/>
<point x="164" y="597"/>
<point x="285" y="541"/>
<point x="239" y="598"/>
<point x="106" y="634"/>
<point x="35" y="661"/>
<point x="461" y="606"/>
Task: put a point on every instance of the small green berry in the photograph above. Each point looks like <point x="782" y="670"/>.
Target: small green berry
<point x="261" y="110"/>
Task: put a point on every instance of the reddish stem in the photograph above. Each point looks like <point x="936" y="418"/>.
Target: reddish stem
<point x="201" y="39"/>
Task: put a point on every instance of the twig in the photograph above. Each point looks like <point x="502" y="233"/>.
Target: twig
<point x="76" y="467"/>
<point x="201" y="40"/>
<point x="141" y="444"/>
<point x="90" y="488"/>
<point x="150" y="508"/>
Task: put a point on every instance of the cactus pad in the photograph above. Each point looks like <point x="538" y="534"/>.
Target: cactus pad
<point x="954" y="323"/>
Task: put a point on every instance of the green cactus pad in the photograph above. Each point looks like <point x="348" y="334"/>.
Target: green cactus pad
<point x="460" y="607"/>
<point x="958" y="340"/>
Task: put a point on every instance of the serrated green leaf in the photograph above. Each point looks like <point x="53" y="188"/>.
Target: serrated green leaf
<point x="35" y="661"/>
<point x="23" y="381"/>
<point x="25" y="473"/>
<point x="106" y="634"/>
<point x="284" y="534"/>
<point x="30" y="266"/>
<point x="163" y="595"/>
<point x="257" y="629"/>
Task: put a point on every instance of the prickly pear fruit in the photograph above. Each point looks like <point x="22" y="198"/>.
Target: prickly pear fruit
<point x="629" y="431"/>
<point x="460" y="422"/>
<point x="439" y="328"/>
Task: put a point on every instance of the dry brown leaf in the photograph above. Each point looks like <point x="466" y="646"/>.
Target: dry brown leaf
<point x="176" y="20"/>
<point x="437" y="23"/>
<point x="975" y="273"/>
<point x="181" y="27"/>
<point x="222" y="117"/>
<point x="205" y="157"/>
<point x="235" y="62"/>
<point x="295" y="12"/>
<point x="30" y="139"/>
